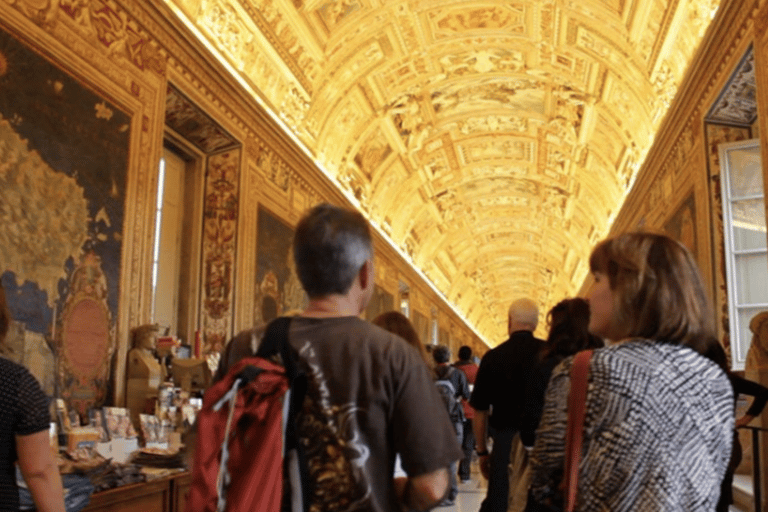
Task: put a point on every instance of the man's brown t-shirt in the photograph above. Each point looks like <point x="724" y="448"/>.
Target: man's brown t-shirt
<point x="370" y="397"/>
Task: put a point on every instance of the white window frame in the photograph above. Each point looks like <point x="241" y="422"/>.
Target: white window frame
<point x="740" y="312"/>
<point x="158" y="230"/>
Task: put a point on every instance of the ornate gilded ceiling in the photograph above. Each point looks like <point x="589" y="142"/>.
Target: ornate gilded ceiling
<point x="493" y="142"/>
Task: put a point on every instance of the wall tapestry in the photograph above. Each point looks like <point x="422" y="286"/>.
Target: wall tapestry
<point x="63" y="164"/>
<point x="278" y="289"/>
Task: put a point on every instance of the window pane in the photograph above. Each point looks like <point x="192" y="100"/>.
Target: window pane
<point x="748" y="216"/>
<point x="169" y="244"/>
<point x="745" y="239"/>
<point x="745" y="173"/>
<point x="751" y="278"/>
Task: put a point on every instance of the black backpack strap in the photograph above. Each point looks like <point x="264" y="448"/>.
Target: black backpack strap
<point x="275" y="342"/>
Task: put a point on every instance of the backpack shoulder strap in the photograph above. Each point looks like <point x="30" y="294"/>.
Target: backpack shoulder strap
<point x="275" y="342"/>
<point x="443" y="381"/>
<point x="577" y="406"/>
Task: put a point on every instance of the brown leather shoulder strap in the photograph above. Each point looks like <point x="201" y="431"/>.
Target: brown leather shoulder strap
<point x="577" y="405"/>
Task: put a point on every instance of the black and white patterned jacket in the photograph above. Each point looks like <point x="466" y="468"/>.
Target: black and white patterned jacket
<point x="657" y="435"/>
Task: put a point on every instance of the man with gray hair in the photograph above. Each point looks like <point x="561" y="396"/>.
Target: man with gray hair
<point x="497" y="398"/>
<point x="370" y="395"/>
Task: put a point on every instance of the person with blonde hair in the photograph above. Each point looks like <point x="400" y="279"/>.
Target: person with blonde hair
<point x="24" y="437"/>
<point x="659" y="414"/>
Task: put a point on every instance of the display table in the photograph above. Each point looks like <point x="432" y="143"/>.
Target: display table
<point x="167" y="494"/>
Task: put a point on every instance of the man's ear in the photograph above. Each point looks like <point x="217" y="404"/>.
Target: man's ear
<point x="365" y="275"/>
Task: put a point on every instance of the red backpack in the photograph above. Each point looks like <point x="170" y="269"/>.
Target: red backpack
<point x="246" y="425"/>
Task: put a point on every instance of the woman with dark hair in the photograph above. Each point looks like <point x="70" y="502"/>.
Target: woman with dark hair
<point x="397" y="323"/>
<point x="658" y="422"/>
<point x="568" y="334"/>
<point x="24" y="437"/>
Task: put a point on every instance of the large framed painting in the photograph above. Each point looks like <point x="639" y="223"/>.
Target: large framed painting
<point x="682" y="225"/>
<point x="63" y="164"/>
<point x="278" y="290"/>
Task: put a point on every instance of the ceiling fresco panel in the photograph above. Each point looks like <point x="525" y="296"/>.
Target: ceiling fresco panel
<point x="462" y="20"/>
<point x="344" y="124"/>
<point x="334" y="14"/>
<point x="494" y="149"/>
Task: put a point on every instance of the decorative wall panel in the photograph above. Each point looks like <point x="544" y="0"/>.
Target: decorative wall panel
<point x="220" y="218"/>
<point x="737" y="104"/>
<point x="421" y="324"/>
<point x="189" y="121"/>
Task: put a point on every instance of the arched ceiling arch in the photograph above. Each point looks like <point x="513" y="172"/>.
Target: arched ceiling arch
<point x="491" y="142"/>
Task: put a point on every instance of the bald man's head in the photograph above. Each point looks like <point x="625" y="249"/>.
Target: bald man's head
<point x="523" y="316"/>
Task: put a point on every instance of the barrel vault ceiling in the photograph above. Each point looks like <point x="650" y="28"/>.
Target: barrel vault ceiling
<point x="493" y="142"/>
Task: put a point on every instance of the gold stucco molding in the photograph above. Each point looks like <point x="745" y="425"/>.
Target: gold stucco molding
<point x="280" y="33"/>
<point x="761" y="21"/>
